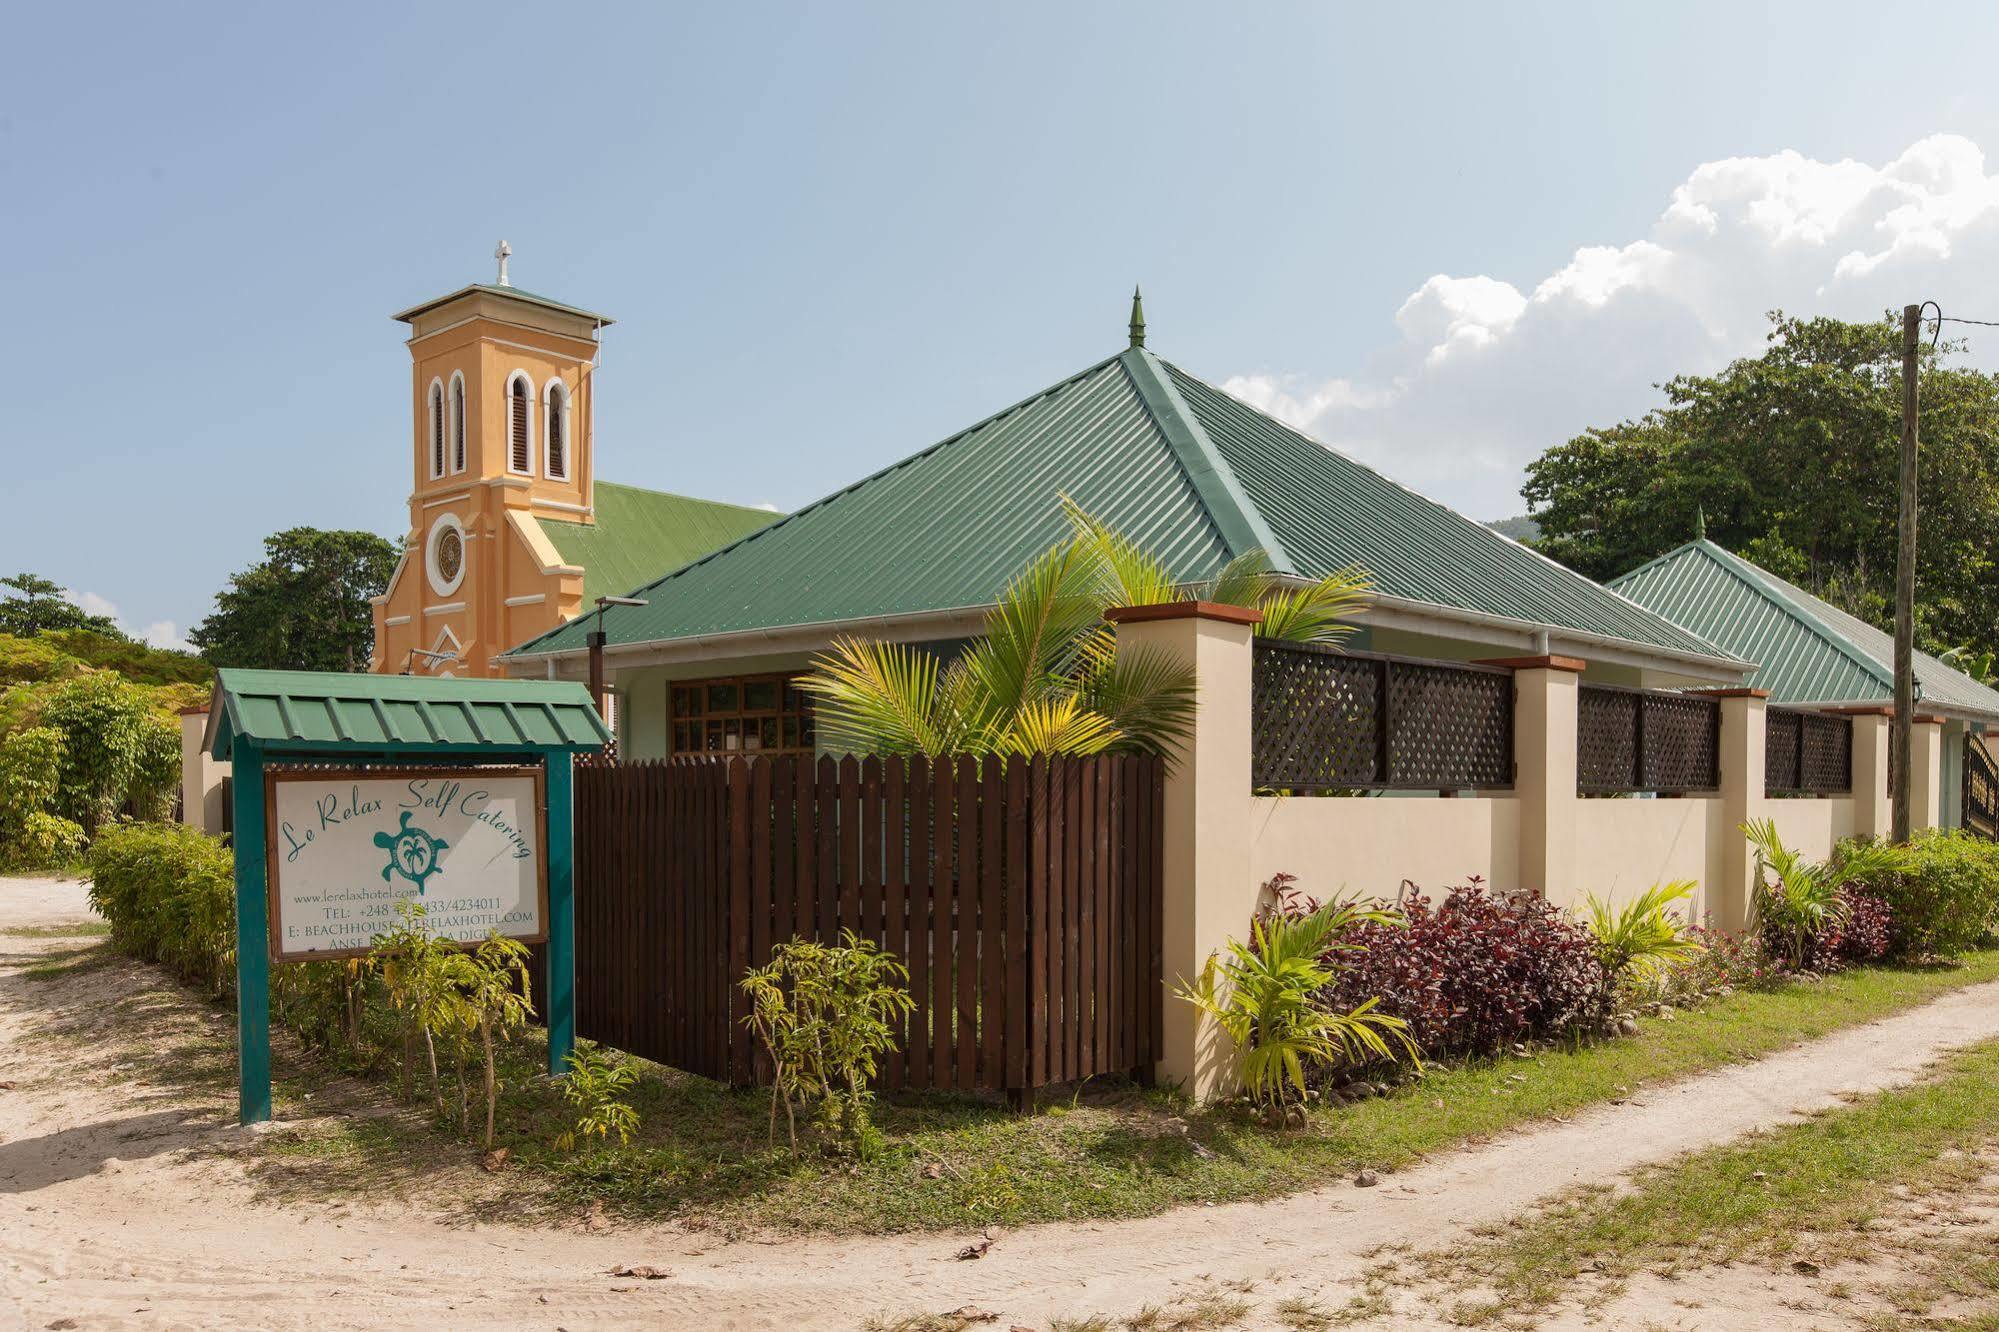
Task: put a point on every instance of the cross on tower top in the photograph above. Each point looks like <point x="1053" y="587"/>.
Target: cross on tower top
<point x="501" y="254"/>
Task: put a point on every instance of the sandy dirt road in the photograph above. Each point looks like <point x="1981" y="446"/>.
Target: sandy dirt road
<point x="124" y="1206"/>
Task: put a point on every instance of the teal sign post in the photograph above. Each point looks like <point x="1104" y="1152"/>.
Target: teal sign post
<point x="351" y="793"/>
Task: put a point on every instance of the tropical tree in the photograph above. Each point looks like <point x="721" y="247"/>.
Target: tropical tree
<point x="303" y="607"/>
<point x="37" y="605"/>
<point x="1789" y="458"/>
<point x="1049" y="675"/>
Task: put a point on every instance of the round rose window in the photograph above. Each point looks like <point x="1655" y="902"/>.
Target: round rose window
<point x="450" y="554"/>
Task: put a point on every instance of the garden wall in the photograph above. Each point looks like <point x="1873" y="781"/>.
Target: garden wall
<point x="1624" y="847"/>
<point x="1369" y="846"/>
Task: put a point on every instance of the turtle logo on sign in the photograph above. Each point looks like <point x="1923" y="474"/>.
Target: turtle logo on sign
<point x="412" y="853"/>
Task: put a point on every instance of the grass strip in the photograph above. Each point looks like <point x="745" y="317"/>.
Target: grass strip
<point x="1810" y="1189"/>
<point x="1123" y="1152"/>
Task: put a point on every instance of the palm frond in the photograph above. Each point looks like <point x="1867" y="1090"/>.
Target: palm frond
<point x="1642" y="938"/>
<point x="1319" y="612"/>
<point x="1032" y="632"/>
<point x="878" y="698"/>
<point x="1134" y="576"/>
<point x="1147" y="694"/>
<point x="1243" y="581"/>
<point x="1057" y="725"/>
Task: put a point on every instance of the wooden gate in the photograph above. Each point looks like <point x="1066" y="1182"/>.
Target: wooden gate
<point x="1023" y="897"/>
<point x="1981" y="790"/>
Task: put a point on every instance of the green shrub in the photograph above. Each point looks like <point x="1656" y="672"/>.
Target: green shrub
<point x="1266" y="996"/>
<point x="45" y="841"/>
<point x="1942" y="891"/>
<point x="169" y="893"/>
<point x="1641" y="941"/>
<point x="29" y="762"/>
<point x="826" y="1013"/>
<point x="116" y="748"/>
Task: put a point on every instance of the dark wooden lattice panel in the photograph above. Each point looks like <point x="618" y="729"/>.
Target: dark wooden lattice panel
<point x="1328" y="720"/>
<point x="1781" y="748"/>
<point x="1314" y="719"/>
<point x="1827" y="754"/>
<point x="1449" y="727"/>
<point x="1646" y="740"/>
<point x="1606" y="739"/>
<point x="1807" y="753"/>
<point x="1681" y="743"/>
<point x="1981" y="791"/>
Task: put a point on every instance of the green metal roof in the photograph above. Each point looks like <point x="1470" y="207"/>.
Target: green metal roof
<point x="332" y="712"/>
<point x="1190" y="473"/>
<point x="638" y="533"/>
<point x="1808" y="651"/>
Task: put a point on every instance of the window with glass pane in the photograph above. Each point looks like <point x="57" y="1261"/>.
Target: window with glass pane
<point x="752" y="714"/>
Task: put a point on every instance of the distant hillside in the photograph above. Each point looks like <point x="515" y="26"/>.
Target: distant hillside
<point x="1521" y="528"/>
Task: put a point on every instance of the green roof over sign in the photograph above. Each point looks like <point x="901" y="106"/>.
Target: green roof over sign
<point x="1189" y="472"/>
<point x="638" y="533"/>
<point x="1808" y="651"/>
<point x="333" y="712"/>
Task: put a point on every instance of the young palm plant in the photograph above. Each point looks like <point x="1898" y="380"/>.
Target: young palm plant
<point x="1797" y="900"/>
<point x="1642" y="939"/>
<point x="1264" y="995"/>
<point x="1049" y="676"/>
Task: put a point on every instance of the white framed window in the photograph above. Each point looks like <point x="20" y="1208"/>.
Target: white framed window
<point x="555" y="431"/>
<point x="444" y="554"/>
<point x="434" y="428"/>
<point x="520" y="424"/>
<point x="457" y="420"/>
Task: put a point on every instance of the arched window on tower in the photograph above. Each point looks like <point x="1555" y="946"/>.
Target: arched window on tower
<point x="436" y="426"/>
<point x="520" y="452"/>
<point x="555" y="460"/>
<point x="458" y="423"/>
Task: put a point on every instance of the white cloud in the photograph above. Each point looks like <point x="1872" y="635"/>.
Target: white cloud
<point x="159" y="633"/>
<point x="1479" y="378"/>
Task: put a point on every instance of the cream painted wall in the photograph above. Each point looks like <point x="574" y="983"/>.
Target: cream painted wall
<point x="1367" y="846"/>
<point x="200" y="776"/>
<point x="1625" y="846"/>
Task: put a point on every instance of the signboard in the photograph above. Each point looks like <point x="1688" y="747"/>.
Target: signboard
<point x="346" y="846"/>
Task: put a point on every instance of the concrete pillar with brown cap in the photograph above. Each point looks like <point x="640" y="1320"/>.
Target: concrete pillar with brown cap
<point x="1206" y="894"/>
<point x="1744" y="728"/>
<point x="1926" y="773"/>
<point x="1873" y="810"/>
<point x="1545" y="694"/>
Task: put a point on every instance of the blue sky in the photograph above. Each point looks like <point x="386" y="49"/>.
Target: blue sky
<point x="1442" y="237"/>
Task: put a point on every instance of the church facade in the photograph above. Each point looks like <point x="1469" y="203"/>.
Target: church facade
<point x="511" y="533"/>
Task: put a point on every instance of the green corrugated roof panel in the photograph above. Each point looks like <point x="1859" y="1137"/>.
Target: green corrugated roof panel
<point x="1327" y="511"/>
<point x="639" y="533"/>
<point x="1807" y="651"/>
<point x="328" y="710"/>
<point x="1186" y="471"/>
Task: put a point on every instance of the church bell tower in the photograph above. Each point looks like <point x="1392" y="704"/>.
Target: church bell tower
<point x="502" y="385"/>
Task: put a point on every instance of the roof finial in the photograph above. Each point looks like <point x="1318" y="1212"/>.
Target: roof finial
<point x="1700" y="522"/>
<point x="1137" y="319"/>
<point x="501" y="254"/>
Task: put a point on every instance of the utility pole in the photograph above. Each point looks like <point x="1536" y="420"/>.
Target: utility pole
<point x="1905" y="583"/>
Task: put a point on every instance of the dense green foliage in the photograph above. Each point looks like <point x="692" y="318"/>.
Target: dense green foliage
<point x="168" y="892"/>
<point x="1942" y="891"/>
<point x="36" y="605"/>
<point x="304" y="606"/>
<point x="1791" y="458"/>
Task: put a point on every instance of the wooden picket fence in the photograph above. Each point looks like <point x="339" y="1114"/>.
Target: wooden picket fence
<point x="1023" y="897"/>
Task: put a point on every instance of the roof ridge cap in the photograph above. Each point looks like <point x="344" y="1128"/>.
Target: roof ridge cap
<point x="675" y="494"/>
<point x="1773" y="587"/>
<point x="1228" y="506"/>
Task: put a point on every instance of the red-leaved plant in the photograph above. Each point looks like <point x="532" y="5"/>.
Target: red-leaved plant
<point x="1474" y="973"/>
